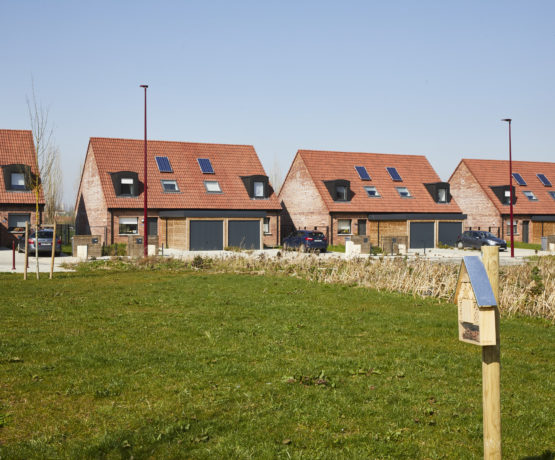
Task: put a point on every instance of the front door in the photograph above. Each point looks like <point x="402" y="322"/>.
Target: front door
<point x="362" y="227"/>
<point x="525" y="225"/>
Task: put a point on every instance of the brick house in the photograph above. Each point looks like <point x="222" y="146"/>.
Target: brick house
<point x="17" y="200"/>
<point x="482" y="190"/>
<point x="200" y="196"/>
<point x="382" y="196"/>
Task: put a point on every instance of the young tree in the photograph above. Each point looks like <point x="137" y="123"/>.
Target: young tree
<point x="47" y="177"/>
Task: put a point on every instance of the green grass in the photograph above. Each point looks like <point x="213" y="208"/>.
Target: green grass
<point x="195" y="365"/>
<point x="336" y="248"/>
<point x="521" y="245"/>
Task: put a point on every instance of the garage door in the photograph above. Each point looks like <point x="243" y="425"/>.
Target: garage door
<point x="448" y="232"/>
<point x="175" y="233"/>
<point x="421" y="235"/>
<point x="244" y="234"/>
<point x="206" y="235"/>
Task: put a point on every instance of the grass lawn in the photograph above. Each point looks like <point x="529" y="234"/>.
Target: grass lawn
<point x="196" y="365"/>
<point x="521" y="245"/>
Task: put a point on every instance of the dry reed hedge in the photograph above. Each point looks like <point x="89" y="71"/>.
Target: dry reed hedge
<point x="527" y="289"/>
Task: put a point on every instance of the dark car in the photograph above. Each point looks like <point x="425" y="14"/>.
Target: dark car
<point x="306" y="240"/>
<point x="476" y="239"/>
<point x="44" y="242"/>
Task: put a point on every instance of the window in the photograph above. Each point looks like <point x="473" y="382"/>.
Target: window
<point x="552" y="195"/>
<point x="372" y="191"/>
<point x="404" y="192"/>
<point x="544" y="180"/>
<point x="16" y="222"/>
<point x="341" y="193"/>
<point x="266" y="225"/>
<point x="442" y="195"/>
<point x="164" y="164"/>
<point x="515" y="232"/>
<point x="170" y="186"/>
<point x="128" y="225"/>
<point x="259" y="189"/>
<point x="127" y="186"/>
<point x="18" y="181"/>
<point x="212" y="186"/>
<point x="205" y="166"/>
<point x="344" y="226"/>
<point x="530" y="195"/>
<point x="507" y="199"/>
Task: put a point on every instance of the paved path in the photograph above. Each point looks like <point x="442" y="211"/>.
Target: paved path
<point x="6" y="262"/>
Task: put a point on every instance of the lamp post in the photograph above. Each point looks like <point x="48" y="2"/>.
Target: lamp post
<point x="508" y="120"/>
<point x="145" y="221"/>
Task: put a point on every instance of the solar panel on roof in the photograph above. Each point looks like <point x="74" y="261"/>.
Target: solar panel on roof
<point x="519" y="179"/>
<point x="394" y="174"/>
<point x="164" y="164"/>
<point x="205" y="165"/>
<point x="363" y="174"/>
<point x="544" y="180"/>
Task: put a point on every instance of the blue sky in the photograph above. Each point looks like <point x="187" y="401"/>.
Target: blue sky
<point x="426" y="77"/>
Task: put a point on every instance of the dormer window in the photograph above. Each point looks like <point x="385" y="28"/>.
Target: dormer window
<point x="18" y="181"/>
<point x="126" y="184"/>
<point x="442" y="195"/>
<point x="259" y="189"/>
<point x="503" y="193"/>
<point x="341" y="193"/>
<point x="257" y="186"/>
<point x="439" y="191"/>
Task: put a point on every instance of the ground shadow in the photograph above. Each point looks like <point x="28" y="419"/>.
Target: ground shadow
<point x="547" y="455"/>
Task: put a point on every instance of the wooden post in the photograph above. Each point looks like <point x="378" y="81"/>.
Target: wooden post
<point x="53" y="251"/>
<point x="26" y="250"/>
<point x="491" y="367"/>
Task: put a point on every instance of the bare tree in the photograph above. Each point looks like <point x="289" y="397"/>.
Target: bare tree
<point x="47" y="177"/>
<point x="276" y="177"/>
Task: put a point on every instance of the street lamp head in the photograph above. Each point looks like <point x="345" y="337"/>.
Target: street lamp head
<point x="144" y="86"/>
<point x="507" y="119"/>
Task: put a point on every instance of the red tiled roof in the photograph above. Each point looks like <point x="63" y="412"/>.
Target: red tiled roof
<point x="17" y="147"/>
<point x="230" y="162"/>
<point x="496" y="172"/>
<point x="415" y="170"/>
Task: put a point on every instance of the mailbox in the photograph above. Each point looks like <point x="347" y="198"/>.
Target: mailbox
<point x="476" y="304"/>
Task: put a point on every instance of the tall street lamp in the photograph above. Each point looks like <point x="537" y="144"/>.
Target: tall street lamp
<point x="508" y="120"/>
<point x="145" y="221"/>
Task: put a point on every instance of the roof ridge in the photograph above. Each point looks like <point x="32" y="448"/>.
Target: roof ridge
<point x="169" y="142"/>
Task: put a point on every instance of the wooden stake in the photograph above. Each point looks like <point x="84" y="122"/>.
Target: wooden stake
<point x="491" y="384"/>
<point x="53" y="251"/>
<point x="26" y="250"/>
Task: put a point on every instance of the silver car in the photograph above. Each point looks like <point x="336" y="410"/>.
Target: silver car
<point x="44" y="243"/>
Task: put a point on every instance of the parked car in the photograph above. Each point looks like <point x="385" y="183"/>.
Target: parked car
<point x="44" y="242"/>
<point x="306" y="240"/>
<point x="476" y="239"/>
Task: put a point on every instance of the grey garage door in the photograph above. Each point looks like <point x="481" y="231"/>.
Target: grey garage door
<point x="206" y="235"/>
<point x="448" y="232"/>
<point x="421" y="235"/>
<point x="244" y="233"/>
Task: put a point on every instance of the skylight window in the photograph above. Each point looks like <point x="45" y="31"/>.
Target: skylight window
<point x="170" y="186"/>
<point x="363" y="174"/>
<point x="544" y="180"/>
<point x="552" y="194"/>
<point x="212" y="186"/>
<point x="205" y="166"/>
<point x="372" y="191"/>
<point x="164" y="164"/>
<point x="530" y="195"/>
<point x="519" y="179"/>
<point x="404" y="192"/>
<point x="394" y="174"/>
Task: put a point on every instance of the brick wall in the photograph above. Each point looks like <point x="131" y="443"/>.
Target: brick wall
<point x="273" y="238"/>
<point x="6" y="237"/>
<point x="302" y="205"/>
<point x="91" y="213"/>
<point x="472" y="200"/>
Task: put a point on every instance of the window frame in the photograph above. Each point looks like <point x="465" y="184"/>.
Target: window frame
<point x="206" y="182"/>
<point x="120" y="223"/>
<point x="266" y="226"/>
<point x="350" y="228"/>
<point x="131" y="186"/>
<point x="375" y="189"/>
<point x="260" y="188"/>
<point x="439" y="191"/>
<point x="530" y="195"/>
<point x="167" y="181"/>
<point x="17" y="187"/>
<point x="408" y="195"/>
<point x="342" y="197"/>
<point x="551" y="193"/>
<point x="12" y="228"/>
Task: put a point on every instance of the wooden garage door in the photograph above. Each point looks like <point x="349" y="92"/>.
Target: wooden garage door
<point x="176" y="234"/>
